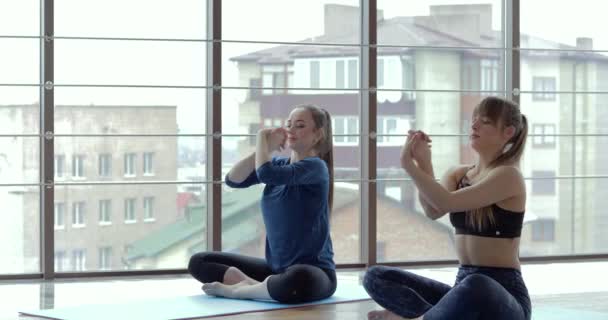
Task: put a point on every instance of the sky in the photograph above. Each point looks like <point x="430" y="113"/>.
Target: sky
<point x="183" y="63"/>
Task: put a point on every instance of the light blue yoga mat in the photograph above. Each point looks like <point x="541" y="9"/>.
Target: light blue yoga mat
<point x="558" y="313"/>
<point x="187" y="307"/>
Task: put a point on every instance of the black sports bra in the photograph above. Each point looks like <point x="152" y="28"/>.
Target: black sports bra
<point x="507" y="224"/>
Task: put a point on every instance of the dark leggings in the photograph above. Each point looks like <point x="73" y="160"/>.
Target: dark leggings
<point x="297" y="284"/>
<point x="479" y="293"/>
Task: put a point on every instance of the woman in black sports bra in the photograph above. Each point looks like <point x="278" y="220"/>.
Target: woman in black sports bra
<point x="486" y="202"/>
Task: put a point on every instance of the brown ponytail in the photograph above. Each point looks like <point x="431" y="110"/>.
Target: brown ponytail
<point x="325" y="146"/>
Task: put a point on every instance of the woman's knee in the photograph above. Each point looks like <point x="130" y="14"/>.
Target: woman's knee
<point x="299" y="285"/>
<point x="379" y="274"/>
<point x="196" y="261"/>
<point x="479" y="287"/>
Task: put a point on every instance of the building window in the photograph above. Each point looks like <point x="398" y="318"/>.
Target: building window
<point x="105" y="212"/>
<point x="543" y="135"/>
<point x="408" y="78"/>
<point x="130" y="164"/>
<point x="276" y="78"/>
<point x="130" y="210"/>
<point x="345" y="126"/>
<point x="544" y="88"/>
<point x="543" y="230"/>
<point x="470" y="74"/>
<point x="149" y="163"/>
<point x="543" y="183"/>
<point x="255" y="92"/>
<point x="105" y="258"/>
<point x="79" y="260"/>
<point x="340" y="75"/>
<point x="105" y="165"/>
<point x="78" y="214"/>
<point x="315" y="74"/>
<point x="391" y="125"/>
<point x="353" y="74"/>
<point x="380" y="73"/>
<point x="60" y="261"/>
<point x="489" y="76"/>
<point x="78" y="166"/>
<point x="149" y="209"/>
<point x="59" y="215"/>
<point x="59" y="166"/>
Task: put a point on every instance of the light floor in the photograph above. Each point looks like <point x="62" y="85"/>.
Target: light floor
<point x="577" y="286"/>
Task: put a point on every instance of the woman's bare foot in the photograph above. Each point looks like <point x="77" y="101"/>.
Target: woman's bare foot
<point x="219" y="289"/>
<point x="386" y="315"/>
<point x="234" y="275"/>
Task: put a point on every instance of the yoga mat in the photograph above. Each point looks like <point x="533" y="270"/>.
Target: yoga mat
<point x="186" y="307"/>
<point x="559" y="313"/>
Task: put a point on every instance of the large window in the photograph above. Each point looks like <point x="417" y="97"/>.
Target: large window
<point x="105" y="212"/>
<point x="78" y="166"/>
<point x="129" y="164"/>
<point x="130" y="215"/>
<point x="105" y="258"/>
<point x="544" y="135"/>
<point x="105" y="165"/>
<point x="133" y="154"/>
<point x="78" y="214"/>
<point x="544" y="88"/>
<point x="59" y="166"/>
<point x="59" y="215"/>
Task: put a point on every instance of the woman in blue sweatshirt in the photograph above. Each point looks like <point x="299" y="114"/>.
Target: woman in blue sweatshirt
<point x="296" y="203"/>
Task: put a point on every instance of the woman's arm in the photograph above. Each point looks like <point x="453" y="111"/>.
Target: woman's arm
<point x="268" y="140"/>
<point x="501" y="183"/>
<point x="448" y="182"/>
<point x="242" y="169"/>
<point x="422" y="156"/>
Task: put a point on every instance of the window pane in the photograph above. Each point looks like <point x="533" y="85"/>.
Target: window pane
<point x="19" y="18"/>
<point x="571" y="222"/>
<point x="19" y="110"/>
<point x="20" y="231"/>
<point x="569" y="113"/>
<point x="542" y="30"/>
<point x="19" y="160"/>
<point x="20" y="62"/>
<point x="248" y="20"/>
<point x="129" y="111"/>
<point x="155" y="19"/>
<point x="129" y="63"/>
<point x="307" y="66"/>
<point x="401" y="221"/>
<point x="175" y="158"/>
<point x="167" y="241"/>
<point x="461" y="23"/>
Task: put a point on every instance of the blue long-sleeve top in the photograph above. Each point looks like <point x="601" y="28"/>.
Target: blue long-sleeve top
<point x="295" y="210"/>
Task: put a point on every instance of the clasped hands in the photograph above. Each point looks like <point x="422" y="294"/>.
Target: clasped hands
<point x="416" y="151"/>
<point x="274" y="137"/>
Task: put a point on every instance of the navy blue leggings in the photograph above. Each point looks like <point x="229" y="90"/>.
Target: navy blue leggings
<point x="297" y="284"/>
<point x="479" y="293"/>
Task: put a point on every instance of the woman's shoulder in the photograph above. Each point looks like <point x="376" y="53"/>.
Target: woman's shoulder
<point x="507" y="170"/>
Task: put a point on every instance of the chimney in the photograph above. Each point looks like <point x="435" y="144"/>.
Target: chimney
<point x="584" y="43"/>
<point x="466" y="21"/>
<point x="341" y="20"/>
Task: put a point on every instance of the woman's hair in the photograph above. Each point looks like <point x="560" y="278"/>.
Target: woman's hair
<point x="325" y="145"/>
<point x="503" y="113"/>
